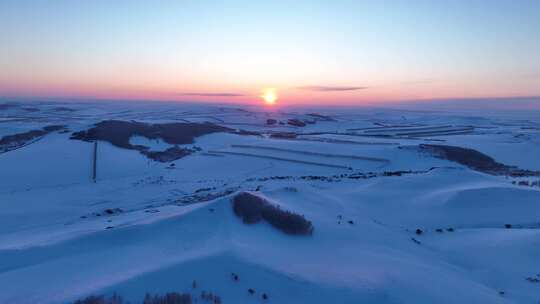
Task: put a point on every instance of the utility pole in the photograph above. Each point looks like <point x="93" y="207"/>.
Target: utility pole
<point x="94" y="168"/>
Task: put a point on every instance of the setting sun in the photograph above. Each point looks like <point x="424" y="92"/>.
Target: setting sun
<point x="269" y="96"/>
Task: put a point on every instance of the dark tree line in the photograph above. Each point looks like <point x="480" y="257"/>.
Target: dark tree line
<point x="169" y="298"/>
<point x="252" y="209"/>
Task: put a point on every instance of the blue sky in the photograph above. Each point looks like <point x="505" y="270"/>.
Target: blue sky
<point x="392" y="50"/>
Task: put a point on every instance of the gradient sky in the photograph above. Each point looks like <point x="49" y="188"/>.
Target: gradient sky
<point x="310" y="51"/>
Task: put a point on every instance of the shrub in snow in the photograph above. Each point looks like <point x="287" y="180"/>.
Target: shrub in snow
<point x="111" y="211"/>
<point x="210" y="297"/>
<point x="534" y="279"/>
<point x="252" y="209"/>
<point x="115" y="299"/>
<point x="169" y="298"/>
<point x="419" y="231"/>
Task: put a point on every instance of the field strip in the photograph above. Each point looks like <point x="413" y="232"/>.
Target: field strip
<point x="381" y="127"/>
<point x="281" y="159"/>
<point x="412" y="129"/>
<point x="342" y="141"/>
<point x="435" y="133"/>
<point x="375" y="159"/>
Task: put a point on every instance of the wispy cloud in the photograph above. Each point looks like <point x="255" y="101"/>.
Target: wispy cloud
<point x="204" y="94"/>
<point x="320" y="88"/>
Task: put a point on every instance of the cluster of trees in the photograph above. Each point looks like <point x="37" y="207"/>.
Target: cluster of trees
<point x="10" y="142"/>
<point x="475" y="160"/>
<point x="209" y="297"/>
<point x="171" y="154"/>
<point x="118" y="133"/>
<point x="526" y="183"/>
<point x="252" y="209"/>
<point x="169" y="298"/>
<point x="296" y="122"/>
<point x="114" y="299"/>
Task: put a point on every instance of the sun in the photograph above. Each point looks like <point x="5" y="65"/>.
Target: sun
<point x="269" y="96"/>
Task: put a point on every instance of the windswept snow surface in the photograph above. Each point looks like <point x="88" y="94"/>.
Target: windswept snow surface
<point x="409" y="229"/>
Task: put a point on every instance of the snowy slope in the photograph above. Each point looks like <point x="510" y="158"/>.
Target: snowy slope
<point x="147" y="226"/>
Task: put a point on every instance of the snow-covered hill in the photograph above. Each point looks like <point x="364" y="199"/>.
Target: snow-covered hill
<point x="391" y="224"/>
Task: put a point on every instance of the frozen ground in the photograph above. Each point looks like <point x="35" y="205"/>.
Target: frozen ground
<point x="392" y="225"/>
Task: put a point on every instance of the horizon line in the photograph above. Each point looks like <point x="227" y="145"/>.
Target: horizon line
<point x="29" y="98"/>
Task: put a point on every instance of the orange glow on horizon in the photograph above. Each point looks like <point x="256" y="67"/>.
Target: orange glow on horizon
<point x="269" y="96"/>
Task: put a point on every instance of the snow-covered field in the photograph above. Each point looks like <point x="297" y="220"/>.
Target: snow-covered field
<point x="391" y="224"/>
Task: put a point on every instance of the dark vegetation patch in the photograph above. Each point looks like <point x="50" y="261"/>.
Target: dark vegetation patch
<point x="154" y="180"/>
<point x="203" y="196"/>
<point x="247" y="132"/>
<point x="114" y="299"/>
<point x="106" y="212"/>
<point x="475" y="160"/>
<point x="204" y="189"/>
<point x="171" y="154"/>
<point x="419" y="231"/>
<point x="63" y="109"/>
<point x="7" y="106"/>
<point x="252" y="209"/>
<point x="118" y="133"/>
<point x="534" y="183"/>
<point x="296" y="122"/>
<point x="169" y="298"/>
<point x="15" y="141"/>
<point x="111" y="211"/>
<point x="271" y="122"/>
<point x="31" y="110"/>
<point x="206" y="296"/>
<point x="534" y="279"/>
<point x="340" y="177"/>
<point x="321" y="117"/>
<point x="283" y="135"/>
